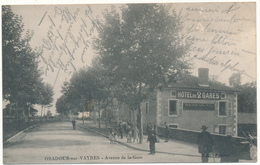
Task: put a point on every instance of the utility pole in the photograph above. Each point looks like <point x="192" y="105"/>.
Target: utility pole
<point x="106" y="116"/>
<point x="83" y="116"/>
<point x="99" y="116"/>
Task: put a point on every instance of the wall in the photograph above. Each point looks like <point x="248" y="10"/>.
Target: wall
<point x="190" y="136"/>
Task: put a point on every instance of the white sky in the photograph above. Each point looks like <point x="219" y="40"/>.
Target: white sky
<point x="39" y="18"/>
<point x="244" y="41"/>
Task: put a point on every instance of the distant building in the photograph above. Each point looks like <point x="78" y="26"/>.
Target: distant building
<point x="192" y="102"/>
<point x="80" y="115"/>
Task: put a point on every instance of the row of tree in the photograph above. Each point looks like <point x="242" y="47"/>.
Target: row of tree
<point x="23" y="85"/>
<point x="139" y="48"/>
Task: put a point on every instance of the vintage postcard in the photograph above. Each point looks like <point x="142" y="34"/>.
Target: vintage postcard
<point x="129" y="83"/>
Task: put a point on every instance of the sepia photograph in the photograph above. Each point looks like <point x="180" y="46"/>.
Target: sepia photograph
<point x="107" y="83"/>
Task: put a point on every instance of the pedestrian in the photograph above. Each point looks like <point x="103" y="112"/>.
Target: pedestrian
<point x="74" y="124"/>
<point x="129" y="136"/>
<point x="167" y="133"/>
<point x="135" y="135"/>
<point x="148" y="128"/>
<point x="124" y="128"/>
<point x="152" y="140"/>
<point x="229" y="150"/>
<point x="121" y="130"/>
<point x="112" y="136"/>
<point x="205" y="143"/>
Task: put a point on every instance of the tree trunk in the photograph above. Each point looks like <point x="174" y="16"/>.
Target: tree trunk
<point x="10" y="113"/>
<point x="99" y="116"/>
<point x="23" y="113"/>
<point x="140" y="124"/>
<point x="139" y="118"/>
<point x="83" y="115"/>
<point x="29" y="113"/>
<point x="41" y="113"/>
<point x="44" y="114"/>
<point x="106" y="116"/>
<point x="99" y="119"/>
<point x="133" y="116"/>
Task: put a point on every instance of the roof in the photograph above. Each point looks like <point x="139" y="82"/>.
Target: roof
<point x="191" y="82"/>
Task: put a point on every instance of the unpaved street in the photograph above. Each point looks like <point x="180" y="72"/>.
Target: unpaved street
<point x="58" y="143"/>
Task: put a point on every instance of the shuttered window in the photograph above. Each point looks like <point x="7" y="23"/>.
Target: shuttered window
<point x="172" y="107"/>
<point x="222" y="108"/>
<point x="229" y="108"/>
<point x="180" y="107"/>
<point x="216" y="108"/>
<point x="222" y="129"/>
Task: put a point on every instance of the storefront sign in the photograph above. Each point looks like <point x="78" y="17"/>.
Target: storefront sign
<point x="198" y="106"/>
<point x="198" y="95"/>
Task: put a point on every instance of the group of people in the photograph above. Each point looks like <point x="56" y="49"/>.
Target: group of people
<point x="206" y="143"/>
<point x="125" y="129"/>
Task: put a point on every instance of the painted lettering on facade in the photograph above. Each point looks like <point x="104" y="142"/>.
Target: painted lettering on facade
<point x="198" y="95"/>
<point x="198" y="106"/>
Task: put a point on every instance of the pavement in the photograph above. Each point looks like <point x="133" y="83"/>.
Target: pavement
<point x="172" y="147"/>
<point x="59" y="143"/>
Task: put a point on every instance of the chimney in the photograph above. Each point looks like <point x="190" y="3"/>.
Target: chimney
<point x="203" y="77"/>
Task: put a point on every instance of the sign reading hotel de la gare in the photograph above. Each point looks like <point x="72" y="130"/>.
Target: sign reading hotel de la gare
<point x="198" y="95"/>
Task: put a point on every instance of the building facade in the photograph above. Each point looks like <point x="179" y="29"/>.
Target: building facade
<point x="193" y="102"/>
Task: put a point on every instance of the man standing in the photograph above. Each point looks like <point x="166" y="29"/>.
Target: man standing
<point x="152" y="140"/>
<point x="167" y="133"/>
<point x="74" y="124"/>
<point x="205" y="142"/>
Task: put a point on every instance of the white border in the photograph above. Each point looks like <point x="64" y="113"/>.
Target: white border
<point x="34" y="2"/>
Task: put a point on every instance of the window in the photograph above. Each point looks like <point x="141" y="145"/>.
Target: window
<point x="173" y="125"/>
<point x="222" y="129"/>
<point x="172" y="107"/>
<point x="222" y="108"/>
<point x="173" y="94"/>
<point x="223" y="95"/>
<point x="146" y="108"/>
